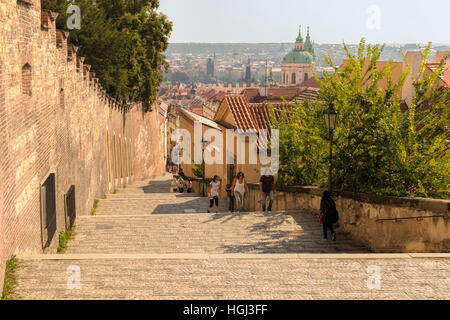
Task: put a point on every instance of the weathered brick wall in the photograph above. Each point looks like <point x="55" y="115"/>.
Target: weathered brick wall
<point x="59" y="122"/>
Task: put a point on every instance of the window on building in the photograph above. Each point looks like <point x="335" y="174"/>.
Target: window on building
<point x="120" y="158"/>
<point x="26" y="79"/>
<point x="130" y="157"/>
<point x="108" y="156"/>
<point x="306" y="77"/>
<point x="70" y="207"/>
<point x="61" y="98"/>
<point x="293" y="79"/>
<point x="116" y="171"/>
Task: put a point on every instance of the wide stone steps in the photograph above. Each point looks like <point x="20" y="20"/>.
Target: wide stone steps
<point x="147" y="243"/>
<point x="275" y="232"/>
<point x="231" y="278"/>
<point x="156" y="205"/>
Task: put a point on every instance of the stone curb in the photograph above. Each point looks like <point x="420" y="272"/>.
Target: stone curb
<point x="189" y="213"/>
<point x="200" y="256"/>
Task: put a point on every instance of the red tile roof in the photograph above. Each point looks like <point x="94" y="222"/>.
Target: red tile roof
<point x="308" y="94"/>
<point x="241" y="113"/>
<point x="250" y="94"/>
<point x="286" y="93"/>
<point x="310" y="83"/>
<point x="261" y="112"/>
<point x="198" y="109"/>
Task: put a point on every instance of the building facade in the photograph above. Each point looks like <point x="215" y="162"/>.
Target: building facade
<point x="299" y="64"/>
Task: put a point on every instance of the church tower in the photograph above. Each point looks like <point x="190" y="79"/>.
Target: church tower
<point x="248" y="73"/>
<point x="299" y="64"/>
<point x="210" y="67"/>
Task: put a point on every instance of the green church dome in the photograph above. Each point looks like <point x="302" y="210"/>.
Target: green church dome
<point x="298" y="57"/>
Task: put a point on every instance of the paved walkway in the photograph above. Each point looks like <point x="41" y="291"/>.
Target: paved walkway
<point x="147" y="243"/>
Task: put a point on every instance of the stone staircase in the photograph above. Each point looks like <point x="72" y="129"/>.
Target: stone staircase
<point x="147" y="243"/>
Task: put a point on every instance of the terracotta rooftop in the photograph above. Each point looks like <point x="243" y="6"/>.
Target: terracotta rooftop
<point x="308" y="94"/>
<point x="241" y="113"/>
<point x="250" y="94"/>
<point x="275" y="94"/>
<point x="201" y="119"/>
<point x="310" y="83"/>
<point x="261" y="112"/>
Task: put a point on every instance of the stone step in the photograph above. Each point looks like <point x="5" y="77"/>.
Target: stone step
<point x="141" y="206"/>
<point x="247" y="278"/>
<point x="276" y="232"/>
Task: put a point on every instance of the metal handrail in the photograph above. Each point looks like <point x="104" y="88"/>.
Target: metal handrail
<point x="411" y="218"/>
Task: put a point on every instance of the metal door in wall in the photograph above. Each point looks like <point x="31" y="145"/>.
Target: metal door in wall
<point x="48" y="210"/>
<point x="70" y="207"/>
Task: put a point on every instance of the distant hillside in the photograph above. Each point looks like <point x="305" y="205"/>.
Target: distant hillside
<point x="278" y="50"/>
<point x="227" y="48"/>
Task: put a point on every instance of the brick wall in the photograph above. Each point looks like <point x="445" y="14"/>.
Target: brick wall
<point x="56" y="119"/>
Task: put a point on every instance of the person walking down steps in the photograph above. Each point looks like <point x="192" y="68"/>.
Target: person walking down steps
<point x="328" y="215"/>
<point x="180" y="185"/>
<point x="266" y="185"/>
<point x="189" y="186"/>
<point x="174" y="185"/>
<point x="238" y="190"/>
<point x="230" y="198"/>
<point x="214" y="193"/>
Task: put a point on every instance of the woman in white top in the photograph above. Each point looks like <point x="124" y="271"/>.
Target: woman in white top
<point x="238" y="189"/>
<point x="214" y="193"/>
<point x="174" y="185"/>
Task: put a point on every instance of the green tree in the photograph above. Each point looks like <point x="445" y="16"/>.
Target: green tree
<point x="123" y="41"/>
<point x="179" y="76"/>
<point x="199" y="170"/>
<point x="381" y="145"/>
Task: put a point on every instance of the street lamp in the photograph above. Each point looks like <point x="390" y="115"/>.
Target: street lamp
<point x="203" y="141"/>
<point x="331" y="116"/>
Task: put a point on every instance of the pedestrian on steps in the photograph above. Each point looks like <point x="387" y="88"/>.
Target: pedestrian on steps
<point x="180" y="185"/>
<point x="328" y="214"/>
<point x="214" y="193"/>
<point x="230" y="198"/>
<point x="189" y="186"/>
<point x="174" y="185"/>
<point x="239" y="189"/>
<point x="267" y="185"/>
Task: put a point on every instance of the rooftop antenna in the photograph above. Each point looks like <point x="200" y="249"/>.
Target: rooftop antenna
<point x="265" y="81"/>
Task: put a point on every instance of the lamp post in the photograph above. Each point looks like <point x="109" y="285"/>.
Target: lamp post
<point x="203" y="141"/>
<point x="331" y="116"/>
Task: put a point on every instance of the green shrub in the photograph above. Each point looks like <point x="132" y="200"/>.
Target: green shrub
<point x="94" y="207"/>
<point x="64" y="237"/>
<point x="10" y="278"/>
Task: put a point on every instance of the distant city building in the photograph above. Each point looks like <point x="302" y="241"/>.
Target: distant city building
<point x="193" y="92"/>
<point x="210" y="68"/>
<point x="248" y="73"/>
<point x="299" y="64"/>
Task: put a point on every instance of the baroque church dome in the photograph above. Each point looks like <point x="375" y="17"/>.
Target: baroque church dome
<point x="298" y="57"/>
<point x="302" y="53"/>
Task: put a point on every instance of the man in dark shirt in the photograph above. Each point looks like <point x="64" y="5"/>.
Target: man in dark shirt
<point x="182" y="174"/>
<point x="266" y="184"/>
<point x="230" y="198"/>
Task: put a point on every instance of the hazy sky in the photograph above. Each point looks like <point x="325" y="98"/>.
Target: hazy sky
<point x="331" y="21"/>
